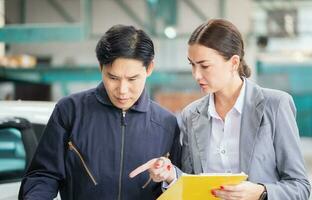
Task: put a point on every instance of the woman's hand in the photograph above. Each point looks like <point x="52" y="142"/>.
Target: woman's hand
<point x="160" y="169"/>
<point x="243" y="191"/>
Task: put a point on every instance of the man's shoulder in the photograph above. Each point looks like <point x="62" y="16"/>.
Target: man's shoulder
<point x="160" y="110"/>
<point x="161" y="115"/>
<point x="76" y="98"/>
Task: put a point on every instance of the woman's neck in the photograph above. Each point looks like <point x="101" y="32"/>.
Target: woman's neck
<point x="225" y="99"/>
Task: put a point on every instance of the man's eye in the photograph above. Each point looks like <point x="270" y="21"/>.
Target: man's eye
<point x="205" y="66"/>
<point x="132" y="79"/>
<point x="113" y="78"/>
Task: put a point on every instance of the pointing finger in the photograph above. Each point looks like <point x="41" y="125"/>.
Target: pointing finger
<point x="143" y="168"/>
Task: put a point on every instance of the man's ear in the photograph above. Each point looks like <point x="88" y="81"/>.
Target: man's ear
<point x="150" y="68"/>
<point x="100" y="67"/>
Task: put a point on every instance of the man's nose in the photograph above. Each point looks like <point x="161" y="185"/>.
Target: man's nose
<point x="123" y="87"/>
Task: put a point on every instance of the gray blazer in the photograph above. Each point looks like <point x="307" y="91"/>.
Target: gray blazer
<point x="269" y="142"/>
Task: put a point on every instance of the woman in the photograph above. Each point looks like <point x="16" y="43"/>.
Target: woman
<point x="238" y="126"/>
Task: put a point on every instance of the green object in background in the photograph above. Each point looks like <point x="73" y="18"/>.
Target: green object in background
<point x="12" y="152"/>
<point x="294" y="78"/>
<point x="304" y="114"/>
<point x="50" y="32"/>
<point x="64" y="75"/>
<point x="42" y="33"/>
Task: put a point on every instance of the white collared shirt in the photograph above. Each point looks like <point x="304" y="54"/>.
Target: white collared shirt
<point x="223" y="153"/>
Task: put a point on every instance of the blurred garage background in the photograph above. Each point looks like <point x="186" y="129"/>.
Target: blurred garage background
<point x="47" y="47"/>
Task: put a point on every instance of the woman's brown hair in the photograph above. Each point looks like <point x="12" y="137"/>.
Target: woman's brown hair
<point x="222" y="36"/>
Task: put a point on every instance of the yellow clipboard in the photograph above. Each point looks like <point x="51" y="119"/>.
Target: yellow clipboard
<point x="198" y="187"/>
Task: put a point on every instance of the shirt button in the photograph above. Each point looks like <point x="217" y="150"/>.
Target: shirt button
<point x="223" y="151"/>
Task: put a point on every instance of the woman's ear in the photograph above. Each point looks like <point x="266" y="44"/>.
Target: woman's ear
<point x="235" y="60"/>
<point x="150" y="68"/>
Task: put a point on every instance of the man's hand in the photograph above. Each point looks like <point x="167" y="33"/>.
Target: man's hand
<point x="160" y="169"/>
<point x="244" y="191"/>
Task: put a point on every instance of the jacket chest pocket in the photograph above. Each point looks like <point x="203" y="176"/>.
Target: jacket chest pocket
<point x="82" y="161"/>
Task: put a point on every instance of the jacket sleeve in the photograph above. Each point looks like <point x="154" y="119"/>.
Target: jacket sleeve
<point x="293" y="182"/>
<point x="47" y="170"/>
<point x="175" y="152"/>
<point x="187" y="166"/>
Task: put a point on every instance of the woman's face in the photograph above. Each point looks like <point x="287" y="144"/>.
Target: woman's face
<point x="211" y="71"/>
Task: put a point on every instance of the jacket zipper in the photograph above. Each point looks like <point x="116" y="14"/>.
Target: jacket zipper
<point x="73" y="148"/>
<point x="123" y="127"/>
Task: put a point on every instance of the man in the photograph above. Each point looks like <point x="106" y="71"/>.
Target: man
<point x="95" y="138"/>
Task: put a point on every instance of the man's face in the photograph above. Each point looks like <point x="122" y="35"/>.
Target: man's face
<point x="124" y="81"/>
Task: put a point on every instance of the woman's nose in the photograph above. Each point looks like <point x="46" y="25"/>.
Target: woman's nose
<point x="196" y="73"/>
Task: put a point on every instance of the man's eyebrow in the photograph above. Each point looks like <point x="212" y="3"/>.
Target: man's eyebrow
<point x="134" y="76"/>
<point x="130" y="77"/>
<point x="109" y="74"/>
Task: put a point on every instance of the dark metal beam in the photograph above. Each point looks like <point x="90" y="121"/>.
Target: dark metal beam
<point x="222" y="8"/>
<point x="132" y="14"/>
<point x="48" y="32"/>
<point x="86" y="18"/>
<point x="196" y="10"/>
<point x="61" y="10"/>
<point x="22" y="11"/>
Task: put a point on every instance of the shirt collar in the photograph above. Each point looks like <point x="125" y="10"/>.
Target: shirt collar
<point x="240" y="100"/>
<point x="212" y="108"/>
<point x="237" y="106"/>
<point x="141" y="105"/>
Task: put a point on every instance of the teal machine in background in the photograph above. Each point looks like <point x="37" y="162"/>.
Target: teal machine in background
<point x="296" y="79"/>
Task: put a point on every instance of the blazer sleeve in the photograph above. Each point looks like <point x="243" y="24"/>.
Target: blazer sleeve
<point x="187" y="165"/>
<point x="47" y="167"/>
<point x="293" y="182"/>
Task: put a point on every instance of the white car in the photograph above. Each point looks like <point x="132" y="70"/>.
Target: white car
<point x="21" y="125"/>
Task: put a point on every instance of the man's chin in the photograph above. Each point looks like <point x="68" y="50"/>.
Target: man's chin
<point x="123" y="106"/>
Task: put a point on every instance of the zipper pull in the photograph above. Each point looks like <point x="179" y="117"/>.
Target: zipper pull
<point x="123" y="118"/>
<point x="70" y="145"/>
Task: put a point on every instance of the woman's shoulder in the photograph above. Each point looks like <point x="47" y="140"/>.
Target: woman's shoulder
<point x="275" y="96"/>
<point x="271" y="96"/>
<point x="196" y="106"/>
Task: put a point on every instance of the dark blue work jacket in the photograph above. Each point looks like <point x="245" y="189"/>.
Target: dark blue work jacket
<point x="89" y="148"/>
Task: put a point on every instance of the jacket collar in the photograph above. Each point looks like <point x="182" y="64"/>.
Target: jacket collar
<point x="251" y="118"/>
<point x="238" y="106"/>
<point x="141" y="105"/>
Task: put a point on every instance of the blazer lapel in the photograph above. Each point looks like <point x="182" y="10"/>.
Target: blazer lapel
<point x="202" y="130"/>
<point x="250" y="123"/>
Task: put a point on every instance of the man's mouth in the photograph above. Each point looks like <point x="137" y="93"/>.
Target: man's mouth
<point x="122" y="100"/>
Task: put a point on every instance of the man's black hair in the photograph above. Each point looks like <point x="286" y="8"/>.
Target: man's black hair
<point x="122" y="41"/>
